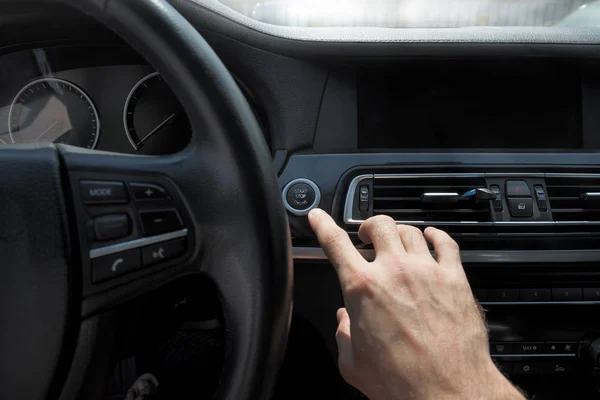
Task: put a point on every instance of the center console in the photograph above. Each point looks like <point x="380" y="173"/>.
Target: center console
<point x="501" y="154"/>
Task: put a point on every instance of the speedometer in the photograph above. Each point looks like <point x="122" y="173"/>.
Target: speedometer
<point x="154" y="117"/>
<point x="53" y="110"/>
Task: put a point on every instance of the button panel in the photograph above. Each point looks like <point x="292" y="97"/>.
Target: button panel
<point x="532" y="358"/>
<point x="129" y="226"/>
<point x="539" y="295"/>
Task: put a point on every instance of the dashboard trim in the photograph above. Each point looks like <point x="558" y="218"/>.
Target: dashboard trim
<point x="349" y="203"/>
<point x="477" y="257"/>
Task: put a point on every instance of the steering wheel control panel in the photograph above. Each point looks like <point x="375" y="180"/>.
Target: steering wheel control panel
<point x="129" y="225"/>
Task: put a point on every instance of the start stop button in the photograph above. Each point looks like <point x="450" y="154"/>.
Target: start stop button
<point x="300" y="196"/>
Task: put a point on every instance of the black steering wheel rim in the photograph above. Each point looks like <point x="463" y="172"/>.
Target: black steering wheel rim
<point x="224" y="177"/>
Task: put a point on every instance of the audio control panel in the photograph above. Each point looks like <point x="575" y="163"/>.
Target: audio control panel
<point x="128" y="226"/>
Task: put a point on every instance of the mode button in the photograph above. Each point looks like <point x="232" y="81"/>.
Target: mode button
<point x="93" y="192"/>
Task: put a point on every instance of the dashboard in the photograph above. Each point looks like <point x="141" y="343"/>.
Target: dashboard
<point x="490" y="134"/>
<point x="96" y="97"/>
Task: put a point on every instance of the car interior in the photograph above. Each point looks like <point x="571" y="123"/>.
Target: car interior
<point x="159" y="160"/>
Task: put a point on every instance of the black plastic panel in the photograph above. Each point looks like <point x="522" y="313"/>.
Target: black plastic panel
<point x="133" y="208"/>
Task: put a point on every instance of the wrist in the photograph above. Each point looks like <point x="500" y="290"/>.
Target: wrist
<point x="497" y="387"/>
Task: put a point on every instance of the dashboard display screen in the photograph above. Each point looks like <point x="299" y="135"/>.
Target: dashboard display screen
<point x="470" y="106"/>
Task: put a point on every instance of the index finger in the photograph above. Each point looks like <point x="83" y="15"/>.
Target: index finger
<point x="337" y="245"/>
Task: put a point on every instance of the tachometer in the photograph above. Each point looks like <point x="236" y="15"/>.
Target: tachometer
<point x="53" y="110"/>
<point x="153" y="116"/>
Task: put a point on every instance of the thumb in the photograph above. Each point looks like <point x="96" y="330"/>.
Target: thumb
<point x="344" y="343"/>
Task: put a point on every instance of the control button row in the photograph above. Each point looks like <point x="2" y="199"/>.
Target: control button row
<point x="537" y="295"/>
<point x="118" y="264"/>
<point x="114" y="192"/>
<point x="155" y="222"/>
<point x="534" y="368"/>
<point x="506" y="348"/>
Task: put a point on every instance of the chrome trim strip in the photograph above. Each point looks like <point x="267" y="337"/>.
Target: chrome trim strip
<point x="349" y="205"/>
<point x="531" y="355"/>
<point x="537" y="303"/>
<point x="315" y="203"/>
<point x="480" y="257"/>
<point x="412" y="176"/>
<point x="135" y="244"/>
<point x="569" y="175"/>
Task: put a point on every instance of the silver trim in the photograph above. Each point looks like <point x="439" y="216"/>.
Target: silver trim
<point x="315" y="204"/>
<point x="348" y="206"/>
<point x="135" y="244"/>
<point x="412" y="176"/>
<point x="129" y="96"/>
<point x="74" y="86"/>
<point x="537" y="303"/>
<point x="479" y="257"/>
<point x="569" y="175"/>
<point x="531" y="355"/>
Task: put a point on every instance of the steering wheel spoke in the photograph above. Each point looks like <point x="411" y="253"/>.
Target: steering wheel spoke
<point x="133" y="228"/>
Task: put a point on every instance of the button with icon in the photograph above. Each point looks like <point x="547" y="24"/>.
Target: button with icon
<point x="566" y="294"/>
<point x="591" y="294"/>
<point x="517" y="189"/>
<point x="501" y="348"/>
<point x="521" y="207"/>
<point x="526" y="368"/>
<point x="561" y="348"/>
<point x="161" y="252"/>
<point x="111" y="266"/>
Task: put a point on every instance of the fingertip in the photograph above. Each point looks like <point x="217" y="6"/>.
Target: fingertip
<point x="315" y="212"/>
<point x="339" y="314"/>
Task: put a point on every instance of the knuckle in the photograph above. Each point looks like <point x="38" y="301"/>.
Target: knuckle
<point x="410" y="229"/>
<point x="450" y="244"/>
<point x="360" y="283"/>
<point x="380" y="219"/>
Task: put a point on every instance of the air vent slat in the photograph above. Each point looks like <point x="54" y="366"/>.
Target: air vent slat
<point x="567" y="196"/>
<point x="401" y="199"/>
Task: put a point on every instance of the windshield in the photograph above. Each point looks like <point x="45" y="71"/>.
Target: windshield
<point x="421" y="13"/>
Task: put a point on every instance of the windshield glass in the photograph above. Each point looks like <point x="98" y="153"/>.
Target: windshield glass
<point x="421" y="13"/>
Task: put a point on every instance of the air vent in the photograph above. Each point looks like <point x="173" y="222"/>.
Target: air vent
<point x="441" y="199"/>
<point x="574" y="198"/>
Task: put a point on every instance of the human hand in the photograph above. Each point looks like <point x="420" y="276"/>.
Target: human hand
<point x="411" y="328"/>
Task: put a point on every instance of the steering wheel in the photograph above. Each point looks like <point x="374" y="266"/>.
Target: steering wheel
<point x="220" y="215"/>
